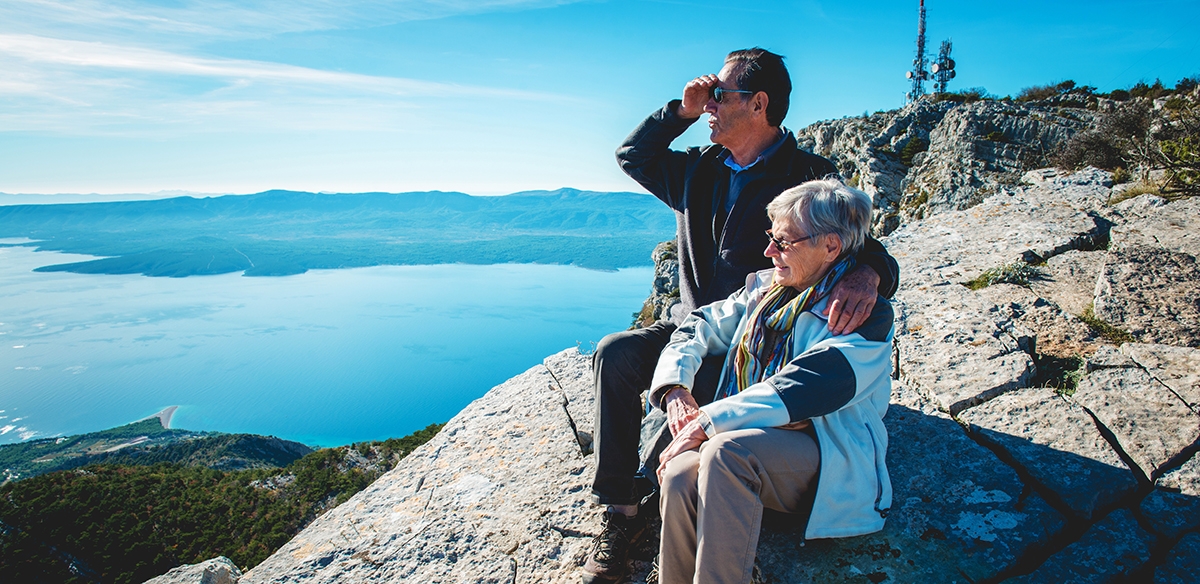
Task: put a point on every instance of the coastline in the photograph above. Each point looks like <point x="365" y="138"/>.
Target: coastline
<point x="164" y="416"/>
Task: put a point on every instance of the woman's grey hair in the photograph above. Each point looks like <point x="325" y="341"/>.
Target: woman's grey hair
<point x="826" y="206"/>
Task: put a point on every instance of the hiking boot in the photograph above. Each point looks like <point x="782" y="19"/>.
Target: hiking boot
<point x="652" y="576"/>
<point x="608" y="559"/>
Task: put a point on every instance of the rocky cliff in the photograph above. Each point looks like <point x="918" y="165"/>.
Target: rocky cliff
<point x="1045" y="416"/>
<point x="931" y="156"/>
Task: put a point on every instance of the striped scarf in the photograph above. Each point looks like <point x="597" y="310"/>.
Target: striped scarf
<point x="766" y="345"/>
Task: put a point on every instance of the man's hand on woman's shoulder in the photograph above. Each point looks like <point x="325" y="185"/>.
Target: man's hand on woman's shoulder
<point x="852" y="299"/>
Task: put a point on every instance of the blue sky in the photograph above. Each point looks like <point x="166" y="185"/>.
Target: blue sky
<point x="483" y="96"/>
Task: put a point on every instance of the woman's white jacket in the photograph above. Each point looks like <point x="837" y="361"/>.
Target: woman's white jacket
<point x="842" y="384"/>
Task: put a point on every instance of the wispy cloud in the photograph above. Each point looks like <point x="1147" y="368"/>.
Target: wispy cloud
<point x="80" y="54"/>
<point x="222" y="19"/>
<point x="88" y="87"/>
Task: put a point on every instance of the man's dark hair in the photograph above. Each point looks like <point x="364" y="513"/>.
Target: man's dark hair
<point x="762" y="70"/>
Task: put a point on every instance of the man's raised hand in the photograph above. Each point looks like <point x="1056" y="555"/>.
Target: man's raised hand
<point x="695" y="96"/>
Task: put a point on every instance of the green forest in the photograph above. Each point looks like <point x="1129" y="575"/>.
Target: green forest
<point x="126" y="523"/>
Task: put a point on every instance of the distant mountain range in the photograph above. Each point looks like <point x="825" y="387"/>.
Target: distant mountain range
<point x="279" y="233"/>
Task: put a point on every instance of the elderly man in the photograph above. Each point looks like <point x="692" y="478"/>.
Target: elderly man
<point x="797" y="423"/>
<point x="719" y="193"/>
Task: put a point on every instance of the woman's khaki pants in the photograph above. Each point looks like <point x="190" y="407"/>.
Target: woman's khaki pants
<point x="713" y="498"/>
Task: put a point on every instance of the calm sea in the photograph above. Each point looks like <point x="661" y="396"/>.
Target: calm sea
<point x="325" y="358"/>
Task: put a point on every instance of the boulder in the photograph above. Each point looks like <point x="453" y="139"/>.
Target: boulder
<point x="1150" y="292"/>
<point x="1112" y="549"/>
<point x="960" y="154"/>
<point x="1057" y="443"/>
<point x="1174" y="506"/>
<point x="664" y="293"/>
<point x="957" y="512"/>
<point x="219" y="570"/>
<point x="867" y="151"/>
<point x="1151" y="424"/>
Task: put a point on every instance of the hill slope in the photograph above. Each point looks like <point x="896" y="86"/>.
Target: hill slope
<point x="163" y="506"/>
<point x="147" y="442"/>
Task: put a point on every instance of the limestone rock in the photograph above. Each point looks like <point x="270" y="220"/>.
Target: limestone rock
<point x="1151" y="221"/>
<point x="572" y="371"/>
<point x="957" y="512"/>
<point x="1182" y="564"/>
<point x="500" y="494"/>
<point x="1022" y="225"/>
<point x="1089" y="188"/>
<point x="1069" y="279"/>
<point x="1058" y="334"/>
<point x="219" y="570"/>
<point x="866" y="152"/>
<point x="958" y="348"/>
<point x="1150" y="422"/>
<point x="970" y="151"/>
<point x="1058" y="444"/>
<point x="1174" y="505"/>
<point x="1151" y="293"/>
<point x="1111" y="549"/>
<point x="980" y="148"/>
<point x="1110" y="357"/>
<point x="664" y="293"/>
<point x="1176" y="367"/>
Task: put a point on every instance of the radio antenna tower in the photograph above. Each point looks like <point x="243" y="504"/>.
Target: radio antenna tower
<point x="943" y="69"/>
<point x="918" y="75"/>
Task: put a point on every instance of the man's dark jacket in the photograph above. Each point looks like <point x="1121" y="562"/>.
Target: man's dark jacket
<point x="715" y="257"/>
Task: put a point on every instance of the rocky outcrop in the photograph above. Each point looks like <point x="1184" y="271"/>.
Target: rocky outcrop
<point x="931" y="157"/>
<point x="664" y="293"/>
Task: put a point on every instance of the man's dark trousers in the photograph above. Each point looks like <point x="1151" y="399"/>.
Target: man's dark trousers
<point x="623" y="366"/>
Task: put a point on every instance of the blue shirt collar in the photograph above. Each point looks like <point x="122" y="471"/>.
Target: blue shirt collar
<point x="728" y="160"/>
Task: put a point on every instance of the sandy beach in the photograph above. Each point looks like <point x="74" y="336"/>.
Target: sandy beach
<point x="165" y="416"/>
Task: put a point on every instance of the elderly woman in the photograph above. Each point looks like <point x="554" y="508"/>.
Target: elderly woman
<point x="797" y="425"/>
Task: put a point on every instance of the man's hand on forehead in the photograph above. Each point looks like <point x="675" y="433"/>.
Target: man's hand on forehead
<point x="695" y="96"/>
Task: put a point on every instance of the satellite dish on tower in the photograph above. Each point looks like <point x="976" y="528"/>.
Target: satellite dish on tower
<point x="943" y="69"/>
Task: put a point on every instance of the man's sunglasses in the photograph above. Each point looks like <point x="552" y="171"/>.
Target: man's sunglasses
<point x="718" y="93"/>
<point x="783" y="245"/>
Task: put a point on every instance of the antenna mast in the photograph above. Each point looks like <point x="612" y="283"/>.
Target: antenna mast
<point x="943" y="69"/>
<point x="918" y="75"/>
